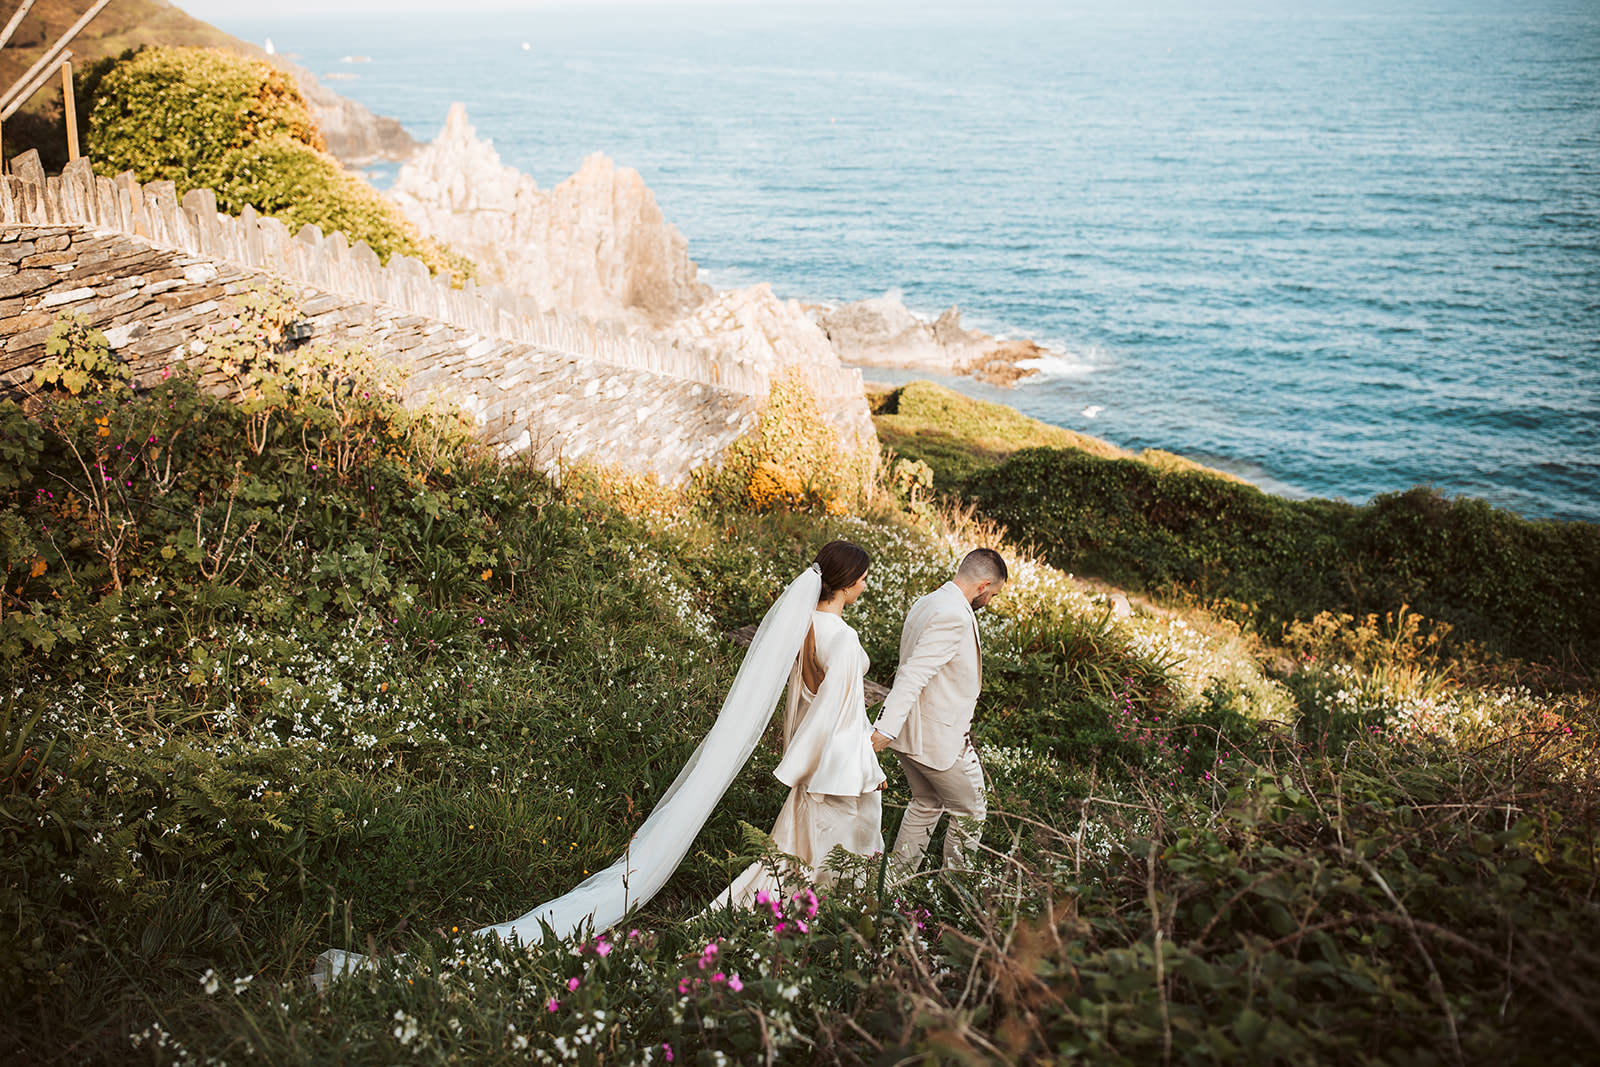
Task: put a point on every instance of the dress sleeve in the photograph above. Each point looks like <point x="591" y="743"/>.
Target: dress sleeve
<point x="831" y="750"/>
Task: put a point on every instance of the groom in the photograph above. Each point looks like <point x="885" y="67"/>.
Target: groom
<point x="927" y="716"/>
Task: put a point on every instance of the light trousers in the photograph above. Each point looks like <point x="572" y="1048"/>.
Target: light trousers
<point x="957" y="791"/>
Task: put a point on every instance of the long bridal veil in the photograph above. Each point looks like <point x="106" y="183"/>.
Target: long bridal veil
<point x="664" y="838"/>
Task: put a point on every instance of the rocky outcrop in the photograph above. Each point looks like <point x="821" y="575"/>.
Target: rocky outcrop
<point x="753" y="326"/>
<point x="768" y="337"/>
<point x="596" y="244"/>
<point x="356" y="137"/>
<point x="883" y="332"/>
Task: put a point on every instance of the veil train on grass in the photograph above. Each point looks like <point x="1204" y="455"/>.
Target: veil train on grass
<point x="661" y="842"/>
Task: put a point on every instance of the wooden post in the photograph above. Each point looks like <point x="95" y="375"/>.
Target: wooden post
<point x="70" y="107"/>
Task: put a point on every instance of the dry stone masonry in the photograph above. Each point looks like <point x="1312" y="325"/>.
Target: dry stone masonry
<point x="153" y="274"/>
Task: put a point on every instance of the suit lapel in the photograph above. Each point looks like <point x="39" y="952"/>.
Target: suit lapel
<point x="977" y="639"/>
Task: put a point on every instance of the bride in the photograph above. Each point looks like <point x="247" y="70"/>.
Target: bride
<point x="828" y="763"/>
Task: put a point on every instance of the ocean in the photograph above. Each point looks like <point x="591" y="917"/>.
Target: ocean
<point x="1339" y="249"/>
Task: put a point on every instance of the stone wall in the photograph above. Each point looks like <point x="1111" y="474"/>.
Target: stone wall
<point x="328" y="262"/>
<point x="155" y="305"/>
<point x="154" y="274"/>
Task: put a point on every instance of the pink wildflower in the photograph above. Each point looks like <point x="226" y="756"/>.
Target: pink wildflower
<point x="666" y="1051"/>
<point x="573" y="983"/>
<point x="552" y="1004"/>
<point x="734" y="984"/>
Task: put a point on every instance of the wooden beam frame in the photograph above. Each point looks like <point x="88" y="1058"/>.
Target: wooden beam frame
<point x="16" y="20"/>
<point x="69" y="108"/>
<point x="41" y="71"/>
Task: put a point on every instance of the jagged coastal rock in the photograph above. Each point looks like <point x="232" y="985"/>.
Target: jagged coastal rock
<point x="755" y="327"/>
<point x="883" y="332"/>
<point x="596" y="245"/>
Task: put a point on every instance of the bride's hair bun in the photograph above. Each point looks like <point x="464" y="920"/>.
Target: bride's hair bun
<point x="841" y="564"/>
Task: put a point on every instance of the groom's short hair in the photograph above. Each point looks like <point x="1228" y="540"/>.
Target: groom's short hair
<point x="983" y="564"/>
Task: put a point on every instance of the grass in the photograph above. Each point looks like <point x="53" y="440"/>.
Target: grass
<point x="432" y="689"/>
<point x="959" y="437"/>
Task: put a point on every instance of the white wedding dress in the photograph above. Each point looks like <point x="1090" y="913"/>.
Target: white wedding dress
<point x="823" y="753"/>
<point x="829" y="765"/>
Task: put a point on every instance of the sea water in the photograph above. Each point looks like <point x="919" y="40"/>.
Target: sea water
<point x="1340" y="248"/>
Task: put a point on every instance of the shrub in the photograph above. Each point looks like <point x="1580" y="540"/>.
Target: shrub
<point x="301" y="186"/>
<point x="80" y="359"/>
<point x="203" y="118"/>
<point x="792" y="460"/>
<point x="176" y="113"/>
<point x="1521" y="588"/>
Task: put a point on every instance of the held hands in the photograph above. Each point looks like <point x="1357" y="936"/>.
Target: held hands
<point x="879" y="741"/>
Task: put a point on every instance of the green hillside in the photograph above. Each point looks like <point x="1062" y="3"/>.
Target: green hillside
<point x="320" y="671"/>
<point x="1498" y="584"/>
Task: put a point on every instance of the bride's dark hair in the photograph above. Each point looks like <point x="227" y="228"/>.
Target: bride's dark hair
<point x="841" y="564"/>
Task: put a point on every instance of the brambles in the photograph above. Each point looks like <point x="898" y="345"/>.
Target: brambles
<point x="80" y="359"/>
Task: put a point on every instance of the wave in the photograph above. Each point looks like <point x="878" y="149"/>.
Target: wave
<point x="1062" y="363"/>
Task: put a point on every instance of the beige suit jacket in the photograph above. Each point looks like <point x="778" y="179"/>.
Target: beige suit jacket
<point x="928" y="712"/>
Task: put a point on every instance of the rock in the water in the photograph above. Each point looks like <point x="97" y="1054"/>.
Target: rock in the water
<point x="883" y="332"/>
<point x="596" y="245"/>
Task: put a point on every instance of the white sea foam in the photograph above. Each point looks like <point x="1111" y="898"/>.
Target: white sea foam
<point x="1065" y="363"/>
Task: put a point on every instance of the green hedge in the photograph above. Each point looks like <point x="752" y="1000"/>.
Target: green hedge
<point x="1521" y="588"/>
<point x="209" y="119"/>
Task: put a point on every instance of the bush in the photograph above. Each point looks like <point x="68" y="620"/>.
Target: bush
<point x="792" y="460"/>
<point x="210" y="119"/>
<point x="301" y="186"/>
<point x="176" y="113"/>
<point x="1521" y="588"/>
